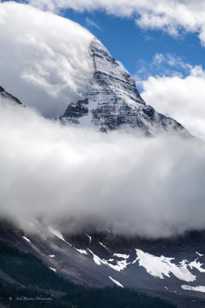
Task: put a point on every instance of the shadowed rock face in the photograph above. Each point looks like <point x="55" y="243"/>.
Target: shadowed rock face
<point x="113" y="101"/>
<point x="7" y="95"/>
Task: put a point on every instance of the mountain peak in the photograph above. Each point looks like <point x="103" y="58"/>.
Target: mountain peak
<point x="112" y="100"/>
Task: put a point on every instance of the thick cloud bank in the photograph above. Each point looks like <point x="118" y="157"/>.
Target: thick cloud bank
<point x="44" y="58"/>
<point x="152" y="187"/>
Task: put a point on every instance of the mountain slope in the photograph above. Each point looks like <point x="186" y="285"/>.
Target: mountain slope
<point x="27" y="278"/>
<point x="61" y="269"/>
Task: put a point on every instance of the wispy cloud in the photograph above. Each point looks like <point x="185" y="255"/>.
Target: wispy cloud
<point x="92" y="24"/>
<point x="162" y="65"/>
<point x="171" y="61"/>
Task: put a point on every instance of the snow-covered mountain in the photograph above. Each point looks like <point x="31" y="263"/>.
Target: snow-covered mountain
<point x="109" y="100"/>
<point x="112" y="100"/>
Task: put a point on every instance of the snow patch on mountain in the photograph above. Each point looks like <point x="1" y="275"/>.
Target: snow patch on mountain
<point x="82" y="251"/>
<point x="26" y="239"/>
<point x="103" y="246"/>
<point x="162" y="267"/>
<point x="116" y="282"/>
<point x="159" y="267"/>
<point x="98" y="261"/>
<point x="197" y="265"/>
<point x="195" y="289"/>
<point x="58" y="234"/>
<point x="199" y="254"/>
<point x="113" y="263"/>
<point x="53" y="269"/>
<point x="121" y="256"/>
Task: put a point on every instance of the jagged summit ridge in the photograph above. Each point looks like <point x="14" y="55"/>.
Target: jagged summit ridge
<point x="113" y="101"/>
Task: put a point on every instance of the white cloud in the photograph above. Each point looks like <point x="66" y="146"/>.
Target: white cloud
<point x="161" y="65"/>
<point x="168" y="15"/>
<point x="181" y="97"/>
<point x="174" y="62"/>
<point x="152" y="187"/>
<point x="44" y="58"/>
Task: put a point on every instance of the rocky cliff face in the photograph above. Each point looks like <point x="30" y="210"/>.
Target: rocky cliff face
<point x="113" y="101"/>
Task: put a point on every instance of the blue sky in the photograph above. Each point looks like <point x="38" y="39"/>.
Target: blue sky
<point x="134" y="46"/>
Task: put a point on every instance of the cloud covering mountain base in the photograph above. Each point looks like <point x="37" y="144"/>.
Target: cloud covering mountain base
<point x="130" y="185"/>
